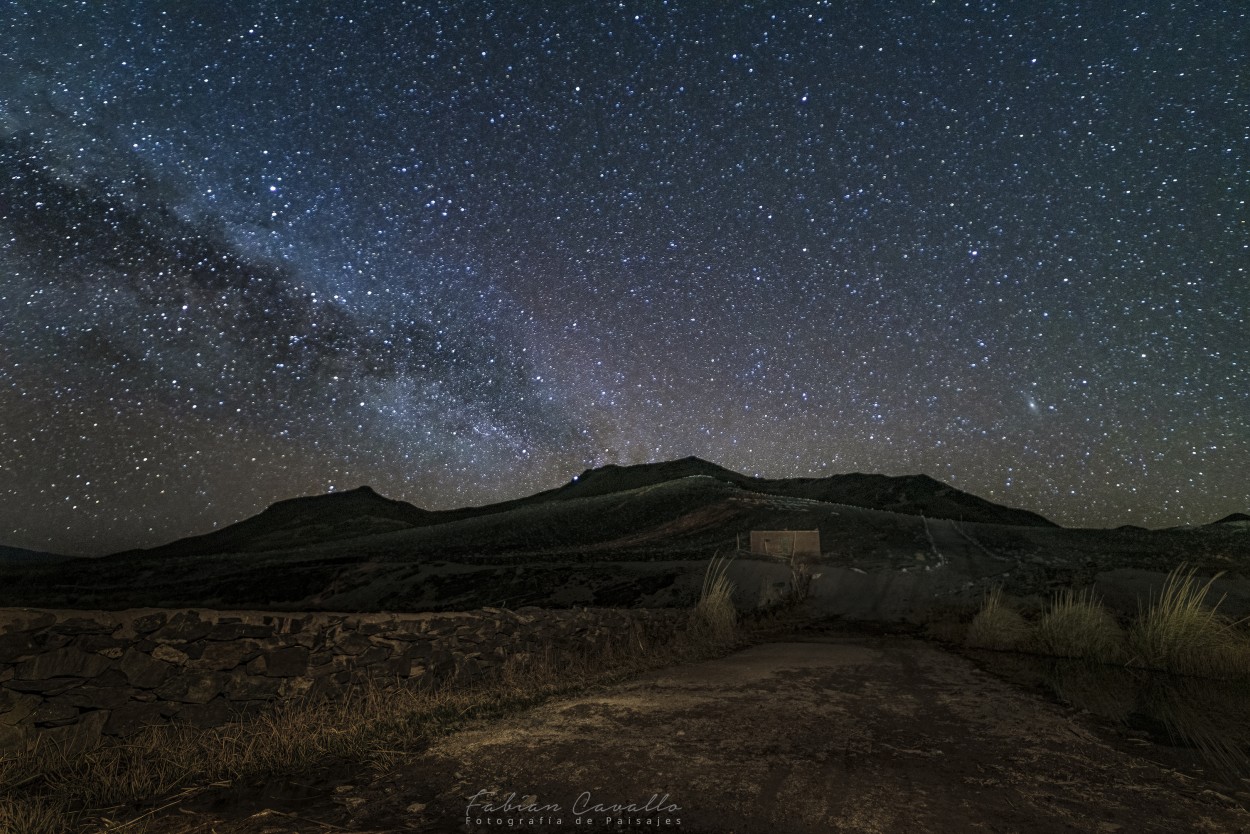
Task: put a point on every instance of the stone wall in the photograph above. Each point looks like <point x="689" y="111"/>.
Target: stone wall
<point x="72" y="676"/>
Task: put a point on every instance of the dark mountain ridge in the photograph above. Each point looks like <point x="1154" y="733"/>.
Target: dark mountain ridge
<point x="305" y="520"/>
<point x="362" y="511"/>
<point x="22" y="556"/>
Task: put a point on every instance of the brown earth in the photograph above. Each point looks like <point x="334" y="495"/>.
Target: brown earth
<point x="864" y="734"/>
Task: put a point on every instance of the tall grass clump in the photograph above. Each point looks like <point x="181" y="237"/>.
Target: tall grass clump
<point x="996" y="626"/>
<point x="1076" y="624"/>
<point x="715" y="618"/>
<point x="1179" y="632"/>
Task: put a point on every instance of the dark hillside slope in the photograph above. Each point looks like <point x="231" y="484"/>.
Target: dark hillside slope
<point x="907" y="494"/>
<point x="22" y="556"/>
<point x="302" y="521"/>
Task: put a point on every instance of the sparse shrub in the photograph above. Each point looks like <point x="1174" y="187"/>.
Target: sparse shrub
<point x="1076" y="624"/>
<point x="997" y="626"/>
<point x="1180" y="633"/>
<point x="715" y="618"/>
<point x="800" y="580"/>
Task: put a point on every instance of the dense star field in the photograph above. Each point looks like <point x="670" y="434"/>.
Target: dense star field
<point x="461" y="251"/>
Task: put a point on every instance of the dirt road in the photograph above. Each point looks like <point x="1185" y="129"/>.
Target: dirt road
<point x="859" y="734"/>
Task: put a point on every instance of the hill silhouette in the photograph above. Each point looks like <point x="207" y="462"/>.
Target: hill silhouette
<point x="22" y="556"/>
<point x="907" y="494"/>
<point x="616" y="536"/>
<point x="361" y="512"/>
<point x="302" y="521"/>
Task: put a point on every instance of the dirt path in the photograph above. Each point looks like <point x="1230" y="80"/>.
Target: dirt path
<point x="842" y="734"/>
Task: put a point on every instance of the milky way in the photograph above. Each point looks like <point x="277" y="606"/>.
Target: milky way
<point x="462" y="251"/>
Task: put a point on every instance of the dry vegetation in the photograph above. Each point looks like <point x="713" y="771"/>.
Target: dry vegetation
<point x="1178" y="631"/>
<point x="120" y="786"/>
<point x="997" y="626"/>
<point x="1076" y="624"/>
<point x="715" y="619"/>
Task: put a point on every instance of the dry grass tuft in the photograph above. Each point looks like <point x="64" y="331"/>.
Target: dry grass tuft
<point x="996" y="626"/>
<point x="23" y="815"/>
<point x="715" y="618"/>
<point x="1076" y="624"/>
<point x="1180" y="633"/>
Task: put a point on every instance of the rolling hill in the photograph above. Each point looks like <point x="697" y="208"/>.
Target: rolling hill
<point x="615" y="535"/>
<point x="22" y="556"/>
<point x="339" y="516"/>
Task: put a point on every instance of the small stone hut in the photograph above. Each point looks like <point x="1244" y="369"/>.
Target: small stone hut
<point x="786" y="543"/>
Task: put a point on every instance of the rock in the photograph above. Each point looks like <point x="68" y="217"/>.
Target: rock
<point x="54" y="714"/>
<point x="80" y="735"/>
<point x="129" y="719"/>
<point x="323" y="664"/>
<point x="212" y="714"/>
<point x="222" y="656"/>
<point x="377" y="654"/>
<point x="82" y="625"/>
<point x="16" y="707"/>
<point x="183" y="627"/>
<point x="17" y="644"/>
<point x="286" y="663"/>
<point x="143" y="670"/>
<point x="96" y="697"/>
<point x="17" y="619"/>
<point x="101" y="643"/>
<point x="294" y="687"/>
<point x="63" y="662"/>
<point x="192" y="687"/>
<point x="169" y="654"/>
<point x="14" y="736"/>
<point x="238" y="630"/>
<point x="148" y="622"/>
<point x="52" y="686"/>
<point x="353" y="644"/>
<point x="240" y="686"/>
<point x="48" y="640"/>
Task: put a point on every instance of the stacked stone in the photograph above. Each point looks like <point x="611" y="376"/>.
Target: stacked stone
<point x="73" y="676"/>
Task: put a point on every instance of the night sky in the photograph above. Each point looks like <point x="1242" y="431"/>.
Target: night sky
<point x="462" y="251"/>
